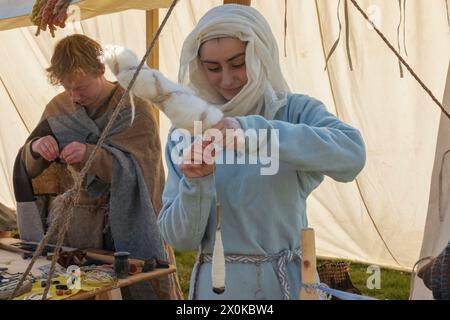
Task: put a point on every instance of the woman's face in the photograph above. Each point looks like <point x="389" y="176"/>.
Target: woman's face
<point x="223" y="61"/>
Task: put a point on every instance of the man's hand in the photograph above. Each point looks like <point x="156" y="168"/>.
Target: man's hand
<point x="46" y="147"/>
<point x="198" y="159"/>
<point x="232" y="133"/>
<point x="73" y="152"/>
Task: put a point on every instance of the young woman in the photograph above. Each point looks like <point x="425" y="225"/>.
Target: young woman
<point x="231" y="59"/>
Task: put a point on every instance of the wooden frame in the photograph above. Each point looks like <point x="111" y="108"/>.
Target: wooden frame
<point x="243" y="2"/>
<point x="12" y="255"/>
<point x="113" y="292"/>
<point x="309" y="270"/>
<point x="152" y="24"/>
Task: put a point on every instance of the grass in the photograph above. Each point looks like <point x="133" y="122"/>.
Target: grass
<point x="185" y="263"/>
<point x="394" y="285"/>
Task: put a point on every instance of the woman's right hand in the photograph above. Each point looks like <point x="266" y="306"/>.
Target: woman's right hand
<point x="198" y="159"/>
<point x="46" y="147"/>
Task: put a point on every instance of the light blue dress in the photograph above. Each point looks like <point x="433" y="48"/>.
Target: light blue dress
<point x="260" y="214"/>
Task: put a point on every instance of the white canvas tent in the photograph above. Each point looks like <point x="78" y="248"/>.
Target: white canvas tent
<point x="380" y="218"/>
<point x="437" y="227"/>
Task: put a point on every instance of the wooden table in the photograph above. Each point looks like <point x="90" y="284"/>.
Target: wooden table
<point x="113" y="292"/>
<point x="15" y="263"/>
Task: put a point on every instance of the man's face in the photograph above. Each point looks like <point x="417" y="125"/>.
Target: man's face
<point x="84" y="89"/>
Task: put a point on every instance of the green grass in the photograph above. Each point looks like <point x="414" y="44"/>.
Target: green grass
<point x="185" y="262"/>
<point x="394" y="284"/>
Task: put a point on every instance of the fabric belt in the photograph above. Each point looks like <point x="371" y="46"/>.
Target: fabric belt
<point x="282" y="259"/>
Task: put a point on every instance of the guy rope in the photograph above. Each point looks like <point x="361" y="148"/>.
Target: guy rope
<point x="408" y="67"/>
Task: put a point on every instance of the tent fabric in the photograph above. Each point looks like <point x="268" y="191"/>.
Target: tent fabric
<point x="437" y="226"/>
<point x="14" y="13"/>
<point x="24" y="89"/>
<point x="380" y="217"/>
<point x="382" y="214"/>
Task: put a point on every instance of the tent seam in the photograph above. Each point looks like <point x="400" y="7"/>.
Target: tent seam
<point x="14" y="104"/>
<point x="337" y="114"/>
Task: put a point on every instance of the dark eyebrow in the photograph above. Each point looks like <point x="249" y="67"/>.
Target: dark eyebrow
<point x="236" y="56"/>
<point x="232" y="58"/>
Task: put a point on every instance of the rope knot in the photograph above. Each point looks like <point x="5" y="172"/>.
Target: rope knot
<point x="289" y="255"/>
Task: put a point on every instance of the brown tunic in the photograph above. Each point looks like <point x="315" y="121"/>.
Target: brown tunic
<point x="89" y="225"/>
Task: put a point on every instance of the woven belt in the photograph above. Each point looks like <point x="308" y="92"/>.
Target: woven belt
<point x="282" y="259"/>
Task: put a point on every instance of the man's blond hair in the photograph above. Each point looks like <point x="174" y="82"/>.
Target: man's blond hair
<point x="73" y="55"/>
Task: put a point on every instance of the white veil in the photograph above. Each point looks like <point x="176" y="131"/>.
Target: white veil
<point x="266" y="89"/>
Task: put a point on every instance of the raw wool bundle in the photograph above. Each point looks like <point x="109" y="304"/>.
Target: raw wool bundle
<point x="49" y="13"/>
<point x="179" y="104"/>
<point x="182" y="107"/>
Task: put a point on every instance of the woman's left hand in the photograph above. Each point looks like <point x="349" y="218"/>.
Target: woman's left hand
<point x="232" y="133"/>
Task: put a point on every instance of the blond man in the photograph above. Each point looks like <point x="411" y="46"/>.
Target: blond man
<point x="122" y="192"/>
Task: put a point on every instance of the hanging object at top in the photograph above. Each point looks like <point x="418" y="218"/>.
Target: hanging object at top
<point x="49" y="13"/>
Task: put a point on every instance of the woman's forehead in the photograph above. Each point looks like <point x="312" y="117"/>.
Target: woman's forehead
<point x="221" y="49"/>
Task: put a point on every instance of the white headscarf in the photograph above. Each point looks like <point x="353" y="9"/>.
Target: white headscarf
<point x="266" y="89"/>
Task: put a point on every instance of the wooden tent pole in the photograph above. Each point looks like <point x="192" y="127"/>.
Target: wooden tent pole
<point x="243" y="2"/>
<point x="308" y="263"/>
<point x="152" y="24"/>
<point x="5" y="234"/>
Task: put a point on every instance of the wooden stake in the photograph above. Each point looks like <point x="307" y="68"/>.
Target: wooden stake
<point x="5" y="234"/>
<point x="152" y="24"/>
<point x="243" y="2"/>
<point x="308" y="268"/>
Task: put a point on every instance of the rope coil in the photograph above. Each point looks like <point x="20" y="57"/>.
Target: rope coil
<point x="49" y="13"/>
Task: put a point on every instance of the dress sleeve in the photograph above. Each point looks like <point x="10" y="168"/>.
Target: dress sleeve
<point x="186" y="206"/>
<point x="314" y="140"/>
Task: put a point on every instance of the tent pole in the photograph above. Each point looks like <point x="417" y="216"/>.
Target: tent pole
<point x="243" y="2"/>
<point x="5" y="234"/>
<point x="151" y="26"/>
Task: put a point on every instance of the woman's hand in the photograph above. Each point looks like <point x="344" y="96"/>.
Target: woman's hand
<point x="232" y="133"/>
<point x="198" y="159"/>
<point x="46" y="147"/>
